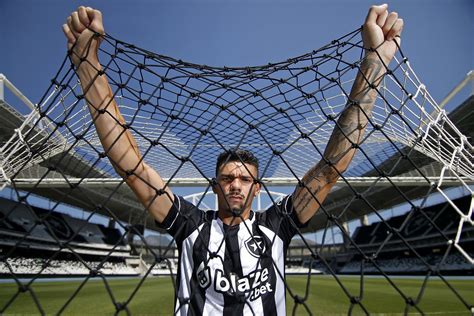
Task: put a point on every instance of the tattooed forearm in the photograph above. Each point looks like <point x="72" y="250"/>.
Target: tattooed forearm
<point x="313" y="189"/>
<point x="340" y="149"/>
<point x="354" y="119"/>
<point x="302" y="201"/>
<point x="369" y="77"/>
<point x="306" y="194"/>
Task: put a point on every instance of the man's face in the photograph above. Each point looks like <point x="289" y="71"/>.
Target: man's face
<point x="236" y="187"/>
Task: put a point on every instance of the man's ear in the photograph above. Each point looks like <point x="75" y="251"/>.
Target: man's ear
<point x="214" y="185"/>
<point x="258" y="187"/>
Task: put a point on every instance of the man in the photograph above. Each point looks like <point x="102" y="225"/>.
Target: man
<point x="232" y="260"/>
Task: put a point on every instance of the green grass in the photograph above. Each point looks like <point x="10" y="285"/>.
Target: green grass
<point x="326" y="297"/>
<point x="156" y="296"/>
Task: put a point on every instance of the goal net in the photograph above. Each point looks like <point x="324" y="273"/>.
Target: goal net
<point x="183" y="115"/>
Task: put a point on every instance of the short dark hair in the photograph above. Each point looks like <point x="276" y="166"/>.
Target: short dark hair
<point x="236" y="154"/>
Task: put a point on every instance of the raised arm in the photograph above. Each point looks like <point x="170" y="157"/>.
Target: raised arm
<point x="119" y="144"/>
<point x="381" y="30"/>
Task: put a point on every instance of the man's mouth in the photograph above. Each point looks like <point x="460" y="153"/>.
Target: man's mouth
<point x="235" y="197"/>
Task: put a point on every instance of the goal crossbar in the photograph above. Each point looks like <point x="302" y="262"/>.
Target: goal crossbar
<point x="202" y="182"/>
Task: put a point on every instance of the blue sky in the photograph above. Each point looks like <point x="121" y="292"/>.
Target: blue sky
<point x="437" y="37"/>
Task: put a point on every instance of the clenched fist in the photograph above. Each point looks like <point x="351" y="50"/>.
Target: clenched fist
<point x="80" y="30"/>
<point x="381" y="31"/>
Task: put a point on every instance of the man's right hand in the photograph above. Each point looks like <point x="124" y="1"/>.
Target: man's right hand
<point x="79" y="31"/>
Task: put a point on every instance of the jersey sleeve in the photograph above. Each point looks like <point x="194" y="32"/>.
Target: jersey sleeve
<point x="182" y="219"/>
<point x="282" y="219"/>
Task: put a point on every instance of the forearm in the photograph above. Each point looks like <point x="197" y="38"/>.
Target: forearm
<point x="119" y="144"/>
<point x="351" y="125"/>
<point x="117" y="141"/>
<point x="348" y="132"/>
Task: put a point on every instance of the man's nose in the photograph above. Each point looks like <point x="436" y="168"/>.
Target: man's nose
<point x="236" y="184"/>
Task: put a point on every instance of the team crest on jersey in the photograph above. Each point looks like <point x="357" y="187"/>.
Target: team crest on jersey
<point x="255" y="245"/>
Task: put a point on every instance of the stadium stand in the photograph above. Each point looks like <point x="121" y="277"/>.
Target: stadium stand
<point x="158" y="252"/>
<point x="60" y="268"/>
<point x="429" y="230"/>
<point x="28" y="245"/>
<point x="45" y="243"/>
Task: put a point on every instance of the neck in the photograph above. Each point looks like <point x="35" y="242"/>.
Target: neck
<point x="229" y="219"/>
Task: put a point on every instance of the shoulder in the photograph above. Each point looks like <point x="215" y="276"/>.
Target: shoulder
<point x="281" y="218"/>
<point x="276" y="211"/>
<point x="282" y="207"/>
<point x="183" y="218"/>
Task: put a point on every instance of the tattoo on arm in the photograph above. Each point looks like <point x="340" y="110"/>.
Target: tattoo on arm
<point x="315" y="181"/>
<point x="368" y="78"/>
<point x="354" y="118"/>
<point x="348" y="131"/>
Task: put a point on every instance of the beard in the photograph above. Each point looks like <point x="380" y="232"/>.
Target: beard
<point x="237" y="208"/>
<point x="236" y="211"/>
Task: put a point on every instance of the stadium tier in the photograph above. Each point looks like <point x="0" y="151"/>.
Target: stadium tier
<point x="428" y="231"/>
<point x="418" y="224"/>
<point x="35" y="224"/>
<point x="36" y="241"/>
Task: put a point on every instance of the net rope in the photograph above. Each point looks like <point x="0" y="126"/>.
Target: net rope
<point x="183" y="114"/>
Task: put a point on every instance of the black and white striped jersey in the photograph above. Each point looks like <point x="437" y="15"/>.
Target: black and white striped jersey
<point x="231" y="270"/>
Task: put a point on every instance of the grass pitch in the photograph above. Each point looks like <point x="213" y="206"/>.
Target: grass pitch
<point x="156" y="296"/>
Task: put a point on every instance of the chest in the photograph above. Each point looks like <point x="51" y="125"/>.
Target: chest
<point x="238" y="251"/>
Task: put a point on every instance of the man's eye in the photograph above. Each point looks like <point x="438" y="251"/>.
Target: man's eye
<point x="247" y="179"/>
<point x="226" y="179"/>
